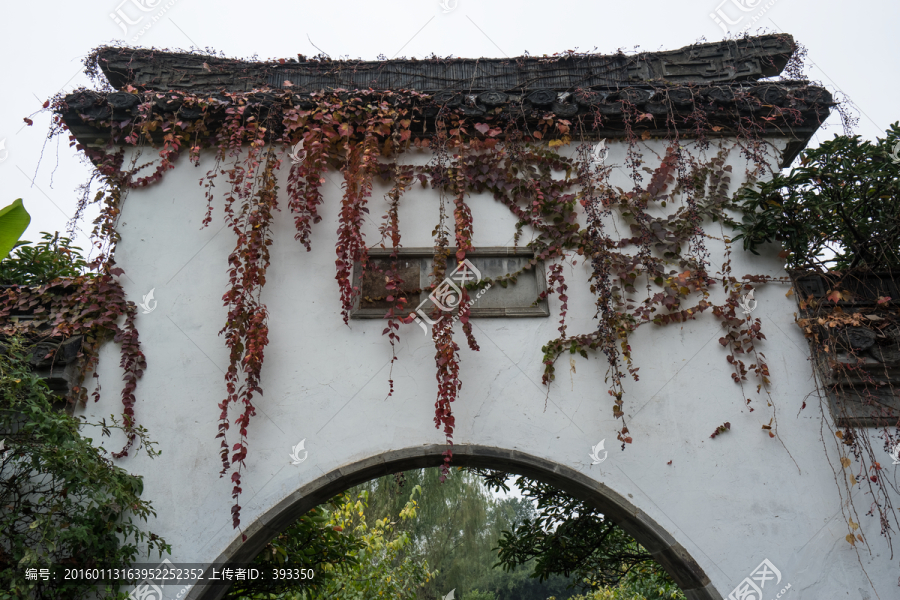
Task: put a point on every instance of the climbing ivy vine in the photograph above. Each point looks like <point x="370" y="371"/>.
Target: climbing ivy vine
<point x="512" y="157"/>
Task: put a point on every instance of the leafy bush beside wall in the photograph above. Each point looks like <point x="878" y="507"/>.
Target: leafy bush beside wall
<point x="62" y="500"/>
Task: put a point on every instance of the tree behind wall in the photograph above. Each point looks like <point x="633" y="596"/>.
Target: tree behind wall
<point x="844" y="198"/>
<point x="456" y="530"/>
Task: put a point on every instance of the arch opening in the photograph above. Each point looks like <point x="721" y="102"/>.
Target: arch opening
<point x="661" y="545"/>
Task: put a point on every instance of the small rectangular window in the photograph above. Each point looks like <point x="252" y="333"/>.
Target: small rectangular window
<point x="516" y="296"/>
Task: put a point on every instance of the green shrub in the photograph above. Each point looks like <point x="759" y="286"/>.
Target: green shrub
<point x="476" y="595"/>
<point x="61" y="499"/>
<point x="842" y="200"/>
<point x="43" y="262"/>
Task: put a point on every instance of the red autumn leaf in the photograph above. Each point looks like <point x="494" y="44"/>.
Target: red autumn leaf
<point x="482" y="127"/>
<point x="726" y="426"/>
<point x="883" y="299"/>
<point x="834" y="296"/>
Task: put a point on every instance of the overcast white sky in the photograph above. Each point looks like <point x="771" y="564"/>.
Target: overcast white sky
<point x="853" y="48"/>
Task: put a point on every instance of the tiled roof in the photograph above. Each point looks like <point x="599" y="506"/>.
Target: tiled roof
<point x="728" y="61"/>
<point x="710" y="86"/>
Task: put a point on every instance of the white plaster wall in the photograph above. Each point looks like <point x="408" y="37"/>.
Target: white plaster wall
<point x="731" y="502"/>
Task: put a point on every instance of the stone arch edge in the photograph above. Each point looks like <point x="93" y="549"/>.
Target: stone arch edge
<point x="689" y="576"/>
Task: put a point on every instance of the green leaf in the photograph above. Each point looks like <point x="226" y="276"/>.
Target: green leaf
<point x="14" y="220"/>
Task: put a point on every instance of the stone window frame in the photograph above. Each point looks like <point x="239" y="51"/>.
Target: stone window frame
<point x="541" y="309"/>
